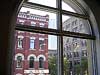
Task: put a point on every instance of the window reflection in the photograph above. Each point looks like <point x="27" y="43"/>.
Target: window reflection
<point x="76" y="57"/>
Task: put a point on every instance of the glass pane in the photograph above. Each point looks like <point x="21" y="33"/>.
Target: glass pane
<point x="76" y="54"/>
<point x="74" y="24"/>
<point x="67" y="7"/>
<point x="33" y="17"/>
<point x="41" y="58"/>
<point x="51" y="3"/>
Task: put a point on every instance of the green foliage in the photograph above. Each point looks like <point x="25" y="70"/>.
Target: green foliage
<point x="53" y="66"/>
<point x="77" y="69"/>
<point x="66" y="66"/>
<point x="84" y="63"/>
<point x="83" y="66"/>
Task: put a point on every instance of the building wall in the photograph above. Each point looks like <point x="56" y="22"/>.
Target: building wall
<point x="75" y="48"/>
<point x="26" y="18"/>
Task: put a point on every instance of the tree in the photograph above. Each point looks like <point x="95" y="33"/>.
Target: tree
<point x="52" y="66"/>
<point x="77" y="68"/>
<point x="84" y="64"/>
<point x="66" y="66"/>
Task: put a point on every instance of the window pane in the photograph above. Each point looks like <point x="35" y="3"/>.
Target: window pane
<point x="76" y="56"/>
<point x="33" y="17"/>
<point x="71" y="6"/>
<point x="19" y="62"/>
<point x="74" y="24"/>
<point x="51" y="3"/>
<point x="31" y="62"/>
<point x="42" y="59"/>
<point x="67" y="7"/>
<point x="32" y="43"/>
<point x="41" y="43"/>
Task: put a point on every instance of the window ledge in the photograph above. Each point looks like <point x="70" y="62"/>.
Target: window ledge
<point x="19" y="68"/>
<point x="19" y="48"/>
<point x="41" y="49"/>
<point x="32" y="49"/>
<point x="41" y="68"/>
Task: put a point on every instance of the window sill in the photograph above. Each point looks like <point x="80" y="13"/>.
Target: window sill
<point x="19" y="68"/>
<point x="41" y="68"/>
<point x="19" y="48"/>
<point x="41" y="49"/>
<point x="32" y="49"/>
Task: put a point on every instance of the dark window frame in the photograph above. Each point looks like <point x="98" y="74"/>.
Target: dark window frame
<point x="59" y="31"/>
<point x="41" y="62"/>
<point x="19" y="62"/>
<point x="31" y="62"/>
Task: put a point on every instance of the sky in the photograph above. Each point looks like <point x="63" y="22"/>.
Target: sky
<point x="52" y="40"/>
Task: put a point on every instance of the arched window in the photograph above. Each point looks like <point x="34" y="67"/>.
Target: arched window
<point x="70" y="24"/>
<point x="31" y="62"/>
<point x="41" y="62"/>
<point x="19" y="62"/>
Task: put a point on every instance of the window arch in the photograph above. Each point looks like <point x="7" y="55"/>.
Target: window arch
<point x="59" y="31"/>
<point x="32" y="55"/>
<point x="19" y="54"/>
<point x="41" y="56"/>
<point x="19" y="60"/>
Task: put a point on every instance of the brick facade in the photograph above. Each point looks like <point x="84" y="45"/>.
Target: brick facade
<point x="26" y="18"/>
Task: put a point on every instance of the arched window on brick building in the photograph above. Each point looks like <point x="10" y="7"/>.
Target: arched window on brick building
<point x="19" y="62"/>
<point x="31" y="62"/>
<point x="41" y="62"/>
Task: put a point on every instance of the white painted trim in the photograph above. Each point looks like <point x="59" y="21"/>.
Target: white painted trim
<point x="19" y="54"/>
<point x="32" y="37"/>
<point x="21" y="36"/>
<point x="31" y="55"/>
<point x="42" y="57"/>
<point x="41" y="38"/>
<point x="18" y="74"/>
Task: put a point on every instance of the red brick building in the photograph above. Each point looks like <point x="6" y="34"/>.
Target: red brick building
<point x="31" y="49"/>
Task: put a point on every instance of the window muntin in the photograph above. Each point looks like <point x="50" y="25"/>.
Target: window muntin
<point x="51" y="3"/>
